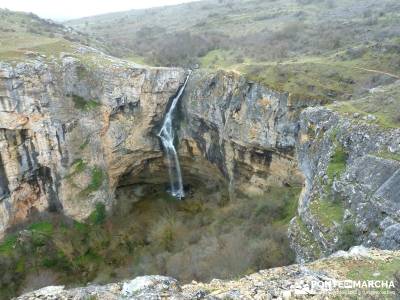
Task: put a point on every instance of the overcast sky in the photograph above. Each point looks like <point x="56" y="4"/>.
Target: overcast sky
<point x="71" y="9"/>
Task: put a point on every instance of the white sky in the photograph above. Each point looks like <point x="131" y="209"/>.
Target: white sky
<point x="69" y="9"/>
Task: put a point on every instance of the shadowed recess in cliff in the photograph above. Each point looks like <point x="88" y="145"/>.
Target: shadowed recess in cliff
<point x="4" y="191"/>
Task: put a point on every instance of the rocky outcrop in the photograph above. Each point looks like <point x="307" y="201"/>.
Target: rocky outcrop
<point x="246" y="130"/>
<point x="70" y="127"/>
<point x="81" y="129"/>
<point x="76" y="129"/>
<point x="232" y="135"/>
<point x="352" y="171"/>
<point x="322" y="279"/>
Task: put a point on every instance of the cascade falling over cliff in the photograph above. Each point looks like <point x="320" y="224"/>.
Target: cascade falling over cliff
<point x="167" y="138"/>
<point x="92" y="131"/>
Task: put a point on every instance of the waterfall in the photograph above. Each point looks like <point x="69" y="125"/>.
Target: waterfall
<point x="166" y="135"/>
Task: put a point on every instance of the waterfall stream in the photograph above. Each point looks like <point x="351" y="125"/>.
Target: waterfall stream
<point x="166" y="135"/>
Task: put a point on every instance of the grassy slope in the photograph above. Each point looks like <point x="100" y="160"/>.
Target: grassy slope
<point x="383" y="103"/>
<point x="329" y="50"/>
<point x="23" y="36"/>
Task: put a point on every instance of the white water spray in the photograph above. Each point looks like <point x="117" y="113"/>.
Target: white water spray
<point x="166" y="135"/>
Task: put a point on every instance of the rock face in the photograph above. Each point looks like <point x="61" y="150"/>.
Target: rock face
<point x="352" y="171"/>
<point x="246" y="130"/>
<point x="69" y="128"/>
<point x="317" y="280"/>
<point x="75" y="130"/>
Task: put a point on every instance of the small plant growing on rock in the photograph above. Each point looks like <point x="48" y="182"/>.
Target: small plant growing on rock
<point x="83" y="104"/>
<point x="97" y="178"/>
<point x="99" y="215"/>
<point x="348" y="236"/>
<point x="337" y="164"/>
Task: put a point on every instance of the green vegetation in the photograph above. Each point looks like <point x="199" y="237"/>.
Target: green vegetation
<point x="388" y="155"/>
<point x="337" y="163"/>
<point x="306" y="239"/>
<point x="364" y="269"/>
<point x="23" y="35"/>
<point x="99" y="215"/>
<point x="84" y="144"/>
<point x="383" y="104"/>
<point x="327" y="212"/>
<point x="42" y="228"/>
<point x="347" y="236"/>
<point x="311" y="49"/>
<point x="157" y="234"/>
<point x="83" y="104"/>
<point x="375" y="270"/>
<point x="97" y="177"/>
<point x="7" y="246"/>
<point x="78" y="166"/>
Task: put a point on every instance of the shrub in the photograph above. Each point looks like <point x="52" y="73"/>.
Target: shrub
<point x="337" y="164"/>
<point x="83" y="104"/>
<point x="9" y="243"/>
<point x="98" y="216"/>
<point x="97" y="177"/>
<point x="42" y="227"/>
<point x="348" y="236"/>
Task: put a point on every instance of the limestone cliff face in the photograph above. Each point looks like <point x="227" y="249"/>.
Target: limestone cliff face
<point x="352" y="190"/>
<point x="74" y="129"/>
<point x="69" y="128"/>
<point x="246" y="130"/>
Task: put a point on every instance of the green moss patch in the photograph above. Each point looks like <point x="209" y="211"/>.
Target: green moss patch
<point x="8" y="245"/>
<point x="375" y="270"/>
<point x="348" y="236"/>
<point x="77" y="167"/>
<point x="97" y="178"/>
<point x="84" y="104"/>
<point x="327" y="212"/>
<point x="84" y="144"/>
<point x="383" y="104"/>
<point x="42" y="227"/>
<point x="306" y="239"/>
<point x="388" y="155"/>
<point x="99" y="215"/>
<point x="337" y="163"/>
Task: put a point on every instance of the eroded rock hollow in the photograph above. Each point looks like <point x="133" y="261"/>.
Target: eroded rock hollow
<point x="73" y="135"/>
<point x="77" y="133"/>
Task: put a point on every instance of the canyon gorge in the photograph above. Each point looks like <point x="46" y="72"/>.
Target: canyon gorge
<point x="222" y="149"/>
<point x="79" y="138"/>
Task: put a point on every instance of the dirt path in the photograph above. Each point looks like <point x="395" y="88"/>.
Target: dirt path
<point x="377" y="71"/>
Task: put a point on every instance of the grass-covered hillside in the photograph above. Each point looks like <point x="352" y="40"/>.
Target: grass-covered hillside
<point x="25" y="35"/>
<point x="323" y="49"/>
